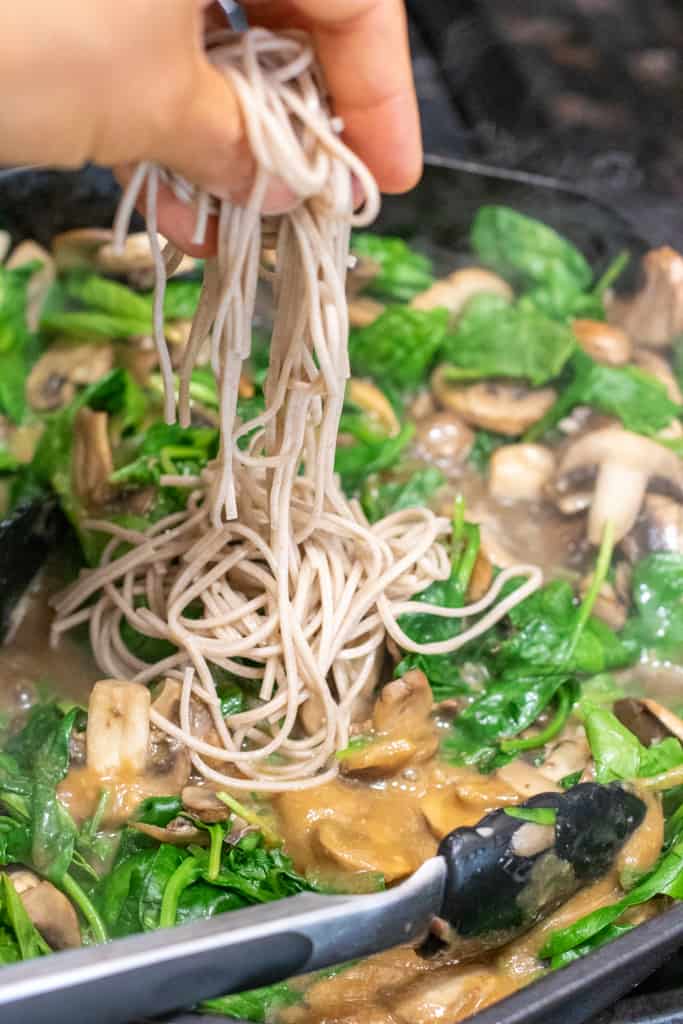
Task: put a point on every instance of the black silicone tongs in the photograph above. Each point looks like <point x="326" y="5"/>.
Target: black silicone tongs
<point x="481" y="890"/>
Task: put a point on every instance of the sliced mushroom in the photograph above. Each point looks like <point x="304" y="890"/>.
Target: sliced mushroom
<point x="520" y="472"/>
<point x="364" y="311"/>
<point x="53" y="381"/>
<point x="659" y="368"/>
<point x="605" y="343"/>
<point x="92" y="460"/>
<point x="481" y="578"/>
<point x="49" y="910"/>
<point x="566" y="757"/>
<point x="443" y="439"/>
<point x="455" y="291"/>
<point x="501" y="406"/>
<point x="41" y="280"/>
<point x="202" y="802"/>
<point x="179" y="832"/>
<point x="659" y="527"/>
<point x="357" y="851"/>
<point x="446" y="994"/>
<point x="654" y="316"/>
<point x="402" y="728"/>
<point x="525" y="779"/>
<point x="648" y="720"/>
<point x="626" y="463"/>
<point x="135" y="261"/>
<point x="77" y="248"/>
<point x="368" y="397"/>
<point x="608" y="607"/>
<point x="405" y="703"/>
<point x="117" y="736"/>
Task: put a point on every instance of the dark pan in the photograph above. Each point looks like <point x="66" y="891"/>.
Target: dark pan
<point x="437" y="216"/>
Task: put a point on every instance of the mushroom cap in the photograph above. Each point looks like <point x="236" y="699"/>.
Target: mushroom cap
<point x="654" y="316"/>
<point x="606" y="343"/>
<point x="455" y="291"/>
<point x="520" y="472"/>
<point x="613" y="444"/>
<point x="505" y="407"/>
<point x="626" y="463"/>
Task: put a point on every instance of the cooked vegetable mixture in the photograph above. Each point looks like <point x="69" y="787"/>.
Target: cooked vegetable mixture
<point x="524" y="396"/>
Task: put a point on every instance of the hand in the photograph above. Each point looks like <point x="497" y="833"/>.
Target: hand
<point x="119" y="81"/>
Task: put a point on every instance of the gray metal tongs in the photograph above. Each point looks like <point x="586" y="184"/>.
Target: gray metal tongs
<point x="483" y="885"/>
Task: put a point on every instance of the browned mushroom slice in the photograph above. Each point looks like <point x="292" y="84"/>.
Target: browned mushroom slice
<point x="654" y="316"/>
<point x="444" y="439"/>
<point x="135" y="261"/>
<point x="504" y="407"/>
<point x="605" y="343"/>
<point x="202" y="802"/>
<point x="41" y="280"/>
<point x="355" y="850"/>
<point x="368" y="397"/>
<point x="364" y="310"/>
<point x="49" y="910"/>
<point x="565" y="757"/>
<point x="659" y="527"/>
<point x="525" y="779"/>
<point x="659" y="368"/>
<point x="446" y="994"/>
<point x="92" y="461"/>
<point x="53" y="381"/>
<point x="402" y="729"/>
<point x="179" y="832"/>
<point x="626" y="464"/>
<point x="649" y="720"/>
<point x="455" y="291"/>
<point x="520" y="472"/>
<point x="481" y="578"/>
<point x="77" y="248"/>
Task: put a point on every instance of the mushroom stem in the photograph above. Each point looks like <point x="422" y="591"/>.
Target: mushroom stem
<point x="619" y="493"/>
<point x="118" y="727"/>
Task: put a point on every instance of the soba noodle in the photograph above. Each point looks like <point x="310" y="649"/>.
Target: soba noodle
<point x="271" y="573"/>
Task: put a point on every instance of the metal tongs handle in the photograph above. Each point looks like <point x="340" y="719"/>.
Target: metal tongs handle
<point x="158" y="972"/>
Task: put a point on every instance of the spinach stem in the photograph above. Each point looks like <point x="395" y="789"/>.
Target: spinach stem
<point x="77" y="895"/>
<point x="185" y="874"/>
<point x="564" y="704"/>
<point x="215" y="851"/>
<point x="612" y="273"/>
<point x="271" y="837"/>
<point x="599" y="576"/>
<point x="468" y="556"/>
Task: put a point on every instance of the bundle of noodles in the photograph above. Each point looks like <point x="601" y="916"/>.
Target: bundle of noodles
<point x="271" y="573"/>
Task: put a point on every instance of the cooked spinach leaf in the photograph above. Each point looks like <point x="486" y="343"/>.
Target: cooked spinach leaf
<point x="666" y="879"/>
<point x="619" y="754"/>
<point x="399" y="347"/>
<point x="18" y="347"/>
<point x="527" y="251"/>
<point x="496" y="338"/>
<point x="402" y="271"/>
<point x="627" y="392"/>
<point x="657" y="593"/>
<point x="371" y="451"/>
<point x="380" y="499"/>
